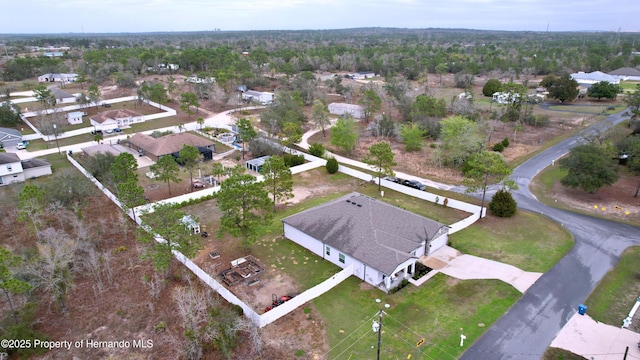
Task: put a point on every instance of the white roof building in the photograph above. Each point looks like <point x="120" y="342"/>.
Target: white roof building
<point x="588" y="79"/>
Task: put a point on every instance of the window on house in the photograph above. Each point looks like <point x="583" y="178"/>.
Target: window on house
<point x="8" y="167"/>
<point x="327" y="250"/>
<point x="341" y="258"/>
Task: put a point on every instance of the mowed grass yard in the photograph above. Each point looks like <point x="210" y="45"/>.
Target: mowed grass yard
<point x="528" y="241"/>
<point x="616" y="293"/>
<point x="436" y="311"/>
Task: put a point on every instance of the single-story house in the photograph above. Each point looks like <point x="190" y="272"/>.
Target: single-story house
<point x="256" y="164"/>
<point x="170" y="144"/>
<point x="199" y="80"/>
<point x="588" y="79"/>
<point x="357" y="111"/>
<point x="383" y="242"/>
<point x="14" y="170"/>
<point x="191" y="224"/>
<point x="363" y="75"/>
<point x="75" y="117"/>
<point x="9" y="137"/>
<point x="63" y="78"/>
<point x="63" y="97"/>
<point x="52" y="54"/>
<point x="118" y="118"/>
<point x="263" y="98"/>
<point x="626" y="74"/>
<point x="505" y="97"/>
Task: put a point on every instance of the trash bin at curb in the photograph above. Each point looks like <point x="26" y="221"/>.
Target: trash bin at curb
<point x="582" y="309"/>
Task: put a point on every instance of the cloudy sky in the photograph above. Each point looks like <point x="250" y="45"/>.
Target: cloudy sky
<point x="97" y="16"/>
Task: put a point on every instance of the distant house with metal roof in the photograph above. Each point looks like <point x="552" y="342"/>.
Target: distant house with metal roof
<point x="75" y="117"/>
<point x="61" y="78"/>
<point x="381" y="241"/>
<point x="170" y="144"/>
<point x="260" y="97"/>
<point x="362" y="75"/>
<point x="355" y="110"/>
<point x="588" y="79"/>
<point x="626" y="74"/>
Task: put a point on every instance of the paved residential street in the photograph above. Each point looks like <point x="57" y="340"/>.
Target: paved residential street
<point x="526" y="330"/>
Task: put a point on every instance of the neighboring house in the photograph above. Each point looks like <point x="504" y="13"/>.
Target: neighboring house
<point x="363" y="75"/>
<point x="62" y="97"/>
<point x="263" y="98"/>
<point x="118" y="118"/>
<point x="199" y="80"/>
<point x="14" y="170"/>
<point x="53" y="54"/>
<point x="357" y="111"/>
<point x="242" y="88"/>
<point x="75" y="117"/>
<point x="588" y="79"/>
<point x="382" y="242"/>
<point x="62" y="78"/>
<point x="626" y="74"/>
<point x="256" y="164"/>
<point x="171" y="144"/>
<point x="9" y="137"/>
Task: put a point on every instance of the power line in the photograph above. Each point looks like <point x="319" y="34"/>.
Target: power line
<point x="348" y="336"/>
<point x="343" y="351"/>
<point x="420" y="336"/>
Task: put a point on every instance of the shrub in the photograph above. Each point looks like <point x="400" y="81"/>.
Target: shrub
<point x="537" y="120"/>
<point x="332" y="165"/>
<point x="421" y="270"/>
<point x="502" y="204"/>
<point x="505" y="142"/>
<point x="293" y="160"/>
<point x="317" y="149"/>
<point x="491" y="86"/>
<point x="498" y="147"/>
<point x="402" y="284"/>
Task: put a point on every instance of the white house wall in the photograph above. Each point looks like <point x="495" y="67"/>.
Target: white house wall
<point x="37" y="172"/>
<point x="362" y="271"/>
<point x="438" y="242"/>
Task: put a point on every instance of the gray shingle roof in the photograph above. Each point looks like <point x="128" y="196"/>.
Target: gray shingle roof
<point x="376" y="233"/>
<point x="34" y="163"/>
<point x="8" y="158"/>
<point x="625" y="71"/>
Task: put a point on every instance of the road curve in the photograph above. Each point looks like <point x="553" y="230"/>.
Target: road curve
<point x="530" y="326"/>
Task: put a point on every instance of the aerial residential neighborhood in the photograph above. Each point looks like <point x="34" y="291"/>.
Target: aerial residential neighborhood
<point x="364" y="193"/>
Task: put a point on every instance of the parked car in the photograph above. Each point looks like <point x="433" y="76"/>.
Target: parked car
<point x="414" y="184"/>
<point x="117" y="130"/>
<point x="198" y="184"/>
<point x="93" y="132"/>
<point x="106" y="105"/>
<point x="393" y="179"/>
<point x="109" y="131"/>
<point x="21" y="146"/>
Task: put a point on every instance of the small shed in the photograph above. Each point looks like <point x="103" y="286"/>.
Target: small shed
<point x="256" y="164"/>
<point x="191" y="224"/>
<point x="75" y="117"/>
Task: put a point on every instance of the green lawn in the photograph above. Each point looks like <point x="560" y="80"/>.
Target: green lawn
<point x="617" y="292"/>
<point x="603" y="108"/>
<point x="629" y="86"/>
<point x="438" y="311"/>
<point x="529" y="241"/>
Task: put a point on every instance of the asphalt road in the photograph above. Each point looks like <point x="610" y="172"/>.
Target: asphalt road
<point x="528" y="328"/>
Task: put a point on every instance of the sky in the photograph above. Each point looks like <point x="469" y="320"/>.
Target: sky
<point x="116" y="16"/>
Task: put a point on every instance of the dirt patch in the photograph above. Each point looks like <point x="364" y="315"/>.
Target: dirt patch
<point x="614" y="202"/>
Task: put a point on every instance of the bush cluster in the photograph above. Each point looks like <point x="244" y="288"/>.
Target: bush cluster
<point x="332" y="165"/>
<point x="421" y="270"/>
<point x="293" y="160"/>
<point x="502" y="204"/>
<point x="403" y="283"/>
<point x="317" y="149"/>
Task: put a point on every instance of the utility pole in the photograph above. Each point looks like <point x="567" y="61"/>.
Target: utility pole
<point x="55" y="134"/>
<point x="377" y="326"/>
